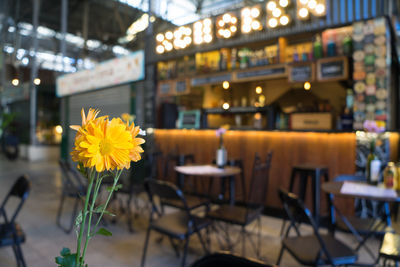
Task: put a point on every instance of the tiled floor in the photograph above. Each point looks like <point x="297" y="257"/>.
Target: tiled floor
<point x="45" y="239"/>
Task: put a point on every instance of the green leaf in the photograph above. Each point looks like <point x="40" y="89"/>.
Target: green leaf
<point x="103" y="231"/>
<point x="67" y="259"/>
<point x="117" y="187"/>
<point x="109" y="213"/>
<point x="99" y="208"/>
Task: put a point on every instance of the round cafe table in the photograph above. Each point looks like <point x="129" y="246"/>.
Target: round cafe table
<point x="212" y="171"/>
<point x="360" y="190"/>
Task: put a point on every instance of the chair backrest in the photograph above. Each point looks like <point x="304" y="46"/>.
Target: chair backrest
<point x="165" y="191"/>
<point x="259" y="180"/>
<point x="297" y="212"/>
<point x="20" y="190"/>
<point x="71" y="178"/>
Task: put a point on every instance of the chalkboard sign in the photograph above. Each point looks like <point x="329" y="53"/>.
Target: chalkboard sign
<point x="301" y="72"/>
<point x="219" y="78"/>
<point x="189" y="119"/>
<point x="165" y="88"/>
<point x="268" y="72"/>
<point x="182" y="87"/>
<point x="332" y="69"/>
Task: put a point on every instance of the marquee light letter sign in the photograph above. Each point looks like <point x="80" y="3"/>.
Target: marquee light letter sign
<point x="275" y="13"/>
<point x="227" y="25"/>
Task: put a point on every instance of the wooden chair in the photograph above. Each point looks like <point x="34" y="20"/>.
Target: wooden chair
<point x="315" y="249"/>
<point x="243" y="214"/>
<point x="179" y="225"/>
<point x="11" y="233"/>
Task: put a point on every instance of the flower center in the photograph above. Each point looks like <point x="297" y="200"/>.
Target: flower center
<point x="105" y="146"/>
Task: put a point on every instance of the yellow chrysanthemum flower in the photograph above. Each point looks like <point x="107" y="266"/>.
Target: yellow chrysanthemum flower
<point x="105" y="144"/>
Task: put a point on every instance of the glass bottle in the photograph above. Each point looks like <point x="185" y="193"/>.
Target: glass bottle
<point x="347" y="45"/>
<point x="390" y="176"/>
<point x="331" y="47"/>
<point x="373" y="165"/>
<point x="221" y="155"/>
<point x="318" y="53"/>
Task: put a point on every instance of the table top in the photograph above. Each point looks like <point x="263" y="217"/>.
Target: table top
<point x="361" y="190"/>
<point x="208" y="170"/>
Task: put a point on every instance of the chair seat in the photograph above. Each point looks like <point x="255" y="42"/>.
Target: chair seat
<point x="306" y="248"/>
<point x="176" y="224"/>
<point x="192" y="202"/>
<point x="363" y="225"/>
<point x="390" y="247"/>
<point x="235" y="214"/>
<point x="6" y="235"/>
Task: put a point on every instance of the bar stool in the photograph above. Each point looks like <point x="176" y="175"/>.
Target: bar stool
<point x="315" y="172"/>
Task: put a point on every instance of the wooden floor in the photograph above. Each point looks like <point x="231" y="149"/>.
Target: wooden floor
<point x="45" y="239"/>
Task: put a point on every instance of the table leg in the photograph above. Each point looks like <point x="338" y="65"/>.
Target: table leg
<point x="232" y="190"/>
<point x="317" y="195"/>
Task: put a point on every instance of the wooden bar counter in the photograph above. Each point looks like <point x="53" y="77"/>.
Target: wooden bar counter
<point x="337" y="151"/>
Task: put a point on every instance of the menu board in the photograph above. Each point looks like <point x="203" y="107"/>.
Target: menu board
<point x="189" y="119"/>
<point x="219" y="78"/>
<point x="166" y="88"/>
<point x="301" y="72"/>
<point x="332" y="69"/>
<point x="182" y="86"/>
<point x="269" y="72"/>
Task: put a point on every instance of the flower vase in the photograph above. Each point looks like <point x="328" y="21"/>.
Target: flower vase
<point x="221" y="157"/>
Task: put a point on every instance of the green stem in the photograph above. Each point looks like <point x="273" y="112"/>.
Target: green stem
<point x="82" y="227"/>
<point x="88" y="236"/>
<point x="118" y="174"/>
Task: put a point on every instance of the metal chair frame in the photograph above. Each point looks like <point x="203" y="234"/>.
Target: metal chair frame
<point x="295" y="208"/>
<point x="20" y="189"/>
<point x="254" y="204"/>
<point x="166" y="190"/>
<point x="72" y="187"/>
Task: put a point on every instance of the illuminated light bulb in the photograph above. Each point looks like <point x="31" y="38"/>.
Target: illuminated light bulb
<point x="312" y="4"/>
<point x="320" y="9"/>
<point x="284" y="20"/>
<point x="226" y="18"/>
<point x="256" y="25"/>
<point x="273" y="22"/>
<point x="255" y="12"/>
<point x="208" y="38"/>
<point x="15" y="82"/>
<point x="160" y="49"/>
<point x="283" y="3"/>
<point x="59" y="129"/>
<point x="207" y="30"/>
<point x="307" y="86"/>
<point x="168" y="47"/>
<point x="271" y="5"/>
<point x="303" y="12"/>
<point x="221" y="23"/>
<point x="221" y="32"/>
<point x="277" y="12"/>
<point x="225" y="85"/>
<point x="36" y="81"/>
<point x="187" y="40"/>
<point x="233" y="20"/>
<point x="188" y="31"/>
<point x="227" y="34"/>
<point x="160" y="37"/>
<point x="304" y="2"/>
<point x="247" y="20"/>
<point x="258" y="90"/>
<point x="198" y="40"/>
<point x="225" y="105"/>
<point x="233" y="28"/>
<point x="197" y="25"/>
<point x="169" y="35"/>
<point x="246" y="12"/>
<point x="177" y="34"/>
<point x="246" y="28"/>
<point x="207" y="22"/>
